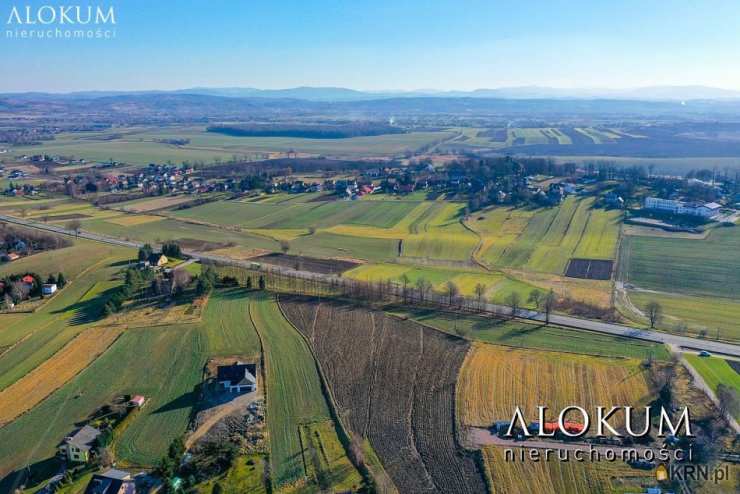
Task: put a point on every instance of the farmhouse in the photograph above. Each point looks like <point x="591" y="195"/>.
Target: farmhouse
<point x="49" y="288"/>
<point x="238" y="377"/>
<point x="76" y="447"/>
<point x="111" y="481"/>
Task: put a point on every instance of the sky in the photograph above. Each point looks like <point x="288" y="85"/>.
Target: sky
<point x="380" y="45"/>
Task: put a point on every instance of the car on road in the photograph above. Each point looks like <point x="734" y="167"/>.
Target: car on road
<point x="705" y="353"/>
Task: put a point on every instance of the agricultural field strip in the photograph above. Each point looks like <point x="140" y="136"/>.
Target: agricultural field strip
<point x="53" y="373"/>
<point x="410" y="398"/>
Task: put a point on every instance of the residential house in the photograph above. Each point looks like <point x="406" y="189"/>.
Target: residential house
<point x="28" y="280"/>
<point x="158" y="260"/>
<point x="77" y="446"/>
<point x="49" y="288"/>
<point x="238" y="377"/>
<point x="9" y="257"/>
<point x="111" y="481"/>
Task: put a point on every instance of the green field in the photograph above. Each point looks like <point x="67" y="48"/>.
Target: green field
<point x="709" y="267"/>
<point x="294" y="394"/>
<point x="138" y="145"/>
<point x="174" y="354"/>
<point x="65" y="316"/>
<point x="715" y="371"/>
<point x="441" y="235"/>
<point x="544" y="240"/>
<point x="536" y="336"/>
<point x="698" y="313"/>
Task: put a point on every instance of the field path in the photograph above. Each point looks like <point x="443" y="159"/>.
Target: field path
<point x="240" y="402"/>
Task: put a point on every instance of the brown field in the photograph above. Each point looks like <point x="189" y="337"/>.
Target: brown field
<point x="157" y="203"/>
<point x="589" y="269"/>
<point x="571" y="477"/>
<point x="64" y="217"/>
<point x="304" y="263"/>
<point x="394" y="384"/>
<point x="495" y="380"/>
<point x="596" y="292"/>
<point x="27" y="392"/>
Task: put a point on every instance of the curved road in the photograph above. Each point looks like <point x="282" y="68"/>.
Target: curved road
<point x="561" y="320"/>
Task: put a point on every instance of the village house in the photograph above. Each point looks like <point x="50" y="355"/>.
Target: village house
<point x="49" y="288"/>
<point x="237" y="377"/>
<point x="158" y="260"/>
<point x="136" y="401"/>
<point x="76" y="447"/>
<point x="111" y="481"/>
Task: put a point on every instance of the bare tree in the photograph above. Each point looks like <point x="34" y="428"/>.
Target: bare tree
<point x="284" y="246"/>
<point x="405" y="285"/>
<point x="19" y="291"/>
<point x="535" y="298"/>
<point x="514" y="301"/>
<point x="548" y="304"/>
<point x="74" y="226"/>
<point x="180" y="279"/>
<point x="423" y="286"/>
<point x="729" y="401"/>
<point x="654" y="312"/>
<point x="480" y="290"/>
<point x="452" y="291"/>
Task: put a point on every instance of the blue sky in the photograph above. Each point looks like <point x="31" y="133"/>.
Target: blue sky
<point x="380" y="44"/>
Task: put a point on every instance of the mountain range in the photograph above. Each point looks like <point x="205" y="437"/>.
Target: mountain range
<point x="650" y="93"/>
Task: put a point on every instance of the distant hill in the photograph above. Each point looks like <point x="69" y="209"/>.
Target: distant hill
<point x="339" y="94"/>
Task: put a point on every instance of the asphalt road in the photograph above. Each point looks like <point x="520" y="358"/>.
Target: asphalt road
<point x="715" y="347"/>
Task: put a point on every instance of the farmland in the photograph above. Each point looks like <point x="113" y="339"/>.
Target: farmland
<point x="33" y="436"/>
<point x="383" y="371"/>
<point x="699" y="314"/>
<point x="716" y="274"/>
<point x="517" y="477"/>
<point x="138" y="146"/>
<point x="526" y="379"/>
<point x="545" y="239"/>
<point x="524" y="334"/>
<point x="715" y="371"/>
<point x="294" y="394"/>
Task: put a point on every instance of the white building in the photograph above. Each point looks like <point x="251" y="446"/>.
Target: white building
<point x="708" y="210"/>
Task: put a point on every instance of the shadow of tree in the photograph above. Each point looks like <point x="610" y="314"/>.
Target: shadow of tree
<point x="31" y="476"/>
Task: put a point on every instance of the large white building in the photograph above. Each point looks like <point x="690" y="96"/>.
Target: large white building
<point x="707" y="210"/>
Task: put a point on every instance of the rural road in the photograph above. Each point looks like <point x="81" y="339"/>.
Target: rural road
<point x="561" y="320"/>
<point x="480" y="436"/>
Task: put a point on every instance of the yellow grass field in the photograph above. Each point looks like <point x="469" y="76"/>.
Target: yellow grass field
<point x="494" y="380"/>
<point x="517" y="477"/>
<point x="594" y="292"/>
<point x="133" y="219"/>
<point x="25" y="393"/>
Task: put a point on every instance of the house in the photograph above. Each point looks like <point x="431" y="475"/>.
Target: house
<point x="614" y="201"/>
<point x="136" y="401"/>
<point x="28" y="280"/>
<point x="111" y="481"/>
<point x="76" y="447"/>
<point x="158" y="260"/>
<point x="49" y="288"/>
<point x="238" y="377"/>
